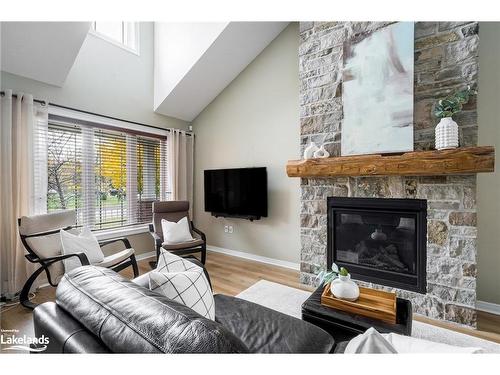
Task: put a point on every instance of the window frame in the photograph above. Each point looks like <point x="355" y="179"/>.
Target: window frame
<point x="106" y="38"/>
<point x="117" y="125"/>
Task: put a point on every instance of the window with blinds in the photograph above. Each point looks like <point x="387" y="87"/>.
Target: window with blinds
<point x="64" y="167"/>
<point x="111" y="178"/>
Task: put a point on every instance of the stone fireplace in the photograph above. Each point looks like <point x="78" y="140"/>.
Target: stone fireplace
<point x="446" y="59"/>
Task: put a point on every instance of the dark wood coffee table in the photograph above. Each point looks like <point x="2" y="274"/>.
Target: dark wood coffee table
<point x="344" y="326"/>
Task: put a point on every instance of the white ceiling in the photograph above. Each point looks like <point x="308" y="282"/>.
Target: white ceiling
<point x="236" y="45"/>
<point x="202" y="66"/>
<point x="43" y="51"/>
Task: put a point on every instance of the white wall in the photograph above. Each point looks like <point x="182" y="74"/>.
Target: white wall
<point x="54" y="47"/>
<point x="254" y="122"/>
<point x="488" y="194"/>
<point x="105" y="79"/>
<point x="178" y="46"/>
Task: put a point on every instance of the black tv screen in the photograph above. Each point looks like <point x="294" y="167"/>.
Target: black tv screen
<point x="237" y="192"/>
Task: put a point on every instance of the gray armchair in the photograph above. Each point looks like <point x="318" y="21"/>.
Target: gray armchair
<point x="174" y="211"/>
<point x="41" y="239"/>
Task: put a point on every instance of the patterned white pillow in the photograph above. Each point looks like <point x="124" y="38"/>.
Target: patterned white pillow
<point x="184" y="282"/>
<point x="168" y="262"/>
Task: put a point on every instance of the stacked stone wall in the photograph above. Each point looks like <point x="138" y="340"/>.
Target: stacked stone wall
<point x="446" y="59"/>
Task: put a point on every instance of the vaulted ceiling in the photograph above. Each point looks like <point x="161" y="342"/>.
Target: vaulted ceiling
<point x="43" y="51"/>
<point x="195" y="62"/>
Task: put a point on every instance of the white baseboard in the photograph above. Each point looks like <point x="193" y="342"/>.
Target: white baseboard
<point x="492" y="308"/>
<point x="257" y="258"/>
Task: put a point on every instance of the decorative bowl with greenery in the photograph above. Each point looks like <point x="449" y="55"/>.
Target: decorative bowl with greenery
<point x="326" y="277"/>
<point x="341" y="285"/>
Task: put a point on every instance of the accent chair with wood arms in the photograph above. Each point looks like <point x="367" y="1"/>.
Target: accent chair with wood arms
<point x="41" y="239"/>
<point x="174" y="211"/>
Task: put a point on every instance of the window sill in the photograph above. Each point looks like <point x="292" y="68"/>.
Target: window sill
<point x="109" y="234"/>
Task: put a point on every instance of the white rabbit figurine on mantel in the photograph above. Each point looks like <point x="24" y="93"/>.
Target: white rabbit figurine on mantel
<point x="313" y="151"/>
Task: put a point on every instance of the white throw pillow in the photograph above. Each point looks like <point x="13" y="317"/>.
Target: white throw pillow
<point x="406" y="344"/>
<point x="168" y="262"/>
<point x="174" y="233"/>
<point x="85" y="242"/>
<point x="370" y="342"/>
<point x="182" y="282"/>
<point x="373" y="342"/>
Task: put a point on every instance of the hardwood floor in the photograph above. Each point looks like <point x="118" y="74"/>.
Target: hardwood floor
<point x="231" y="275"/>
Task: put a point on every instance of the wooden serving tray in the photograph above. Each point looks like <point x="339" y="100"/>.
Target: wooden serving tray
<point x="371" y="303"/>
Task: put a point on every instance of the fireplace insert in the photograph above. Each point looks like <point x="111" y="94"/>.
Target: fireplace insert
<point x="380" y="240"/>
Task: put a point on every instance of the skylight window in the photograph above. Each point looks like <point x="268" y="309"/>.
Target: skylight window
<point x="120" y="33"/>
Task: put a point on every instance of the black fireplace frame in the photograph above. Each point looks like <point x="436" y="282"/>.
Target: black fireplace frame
<point x="418" y="207"/>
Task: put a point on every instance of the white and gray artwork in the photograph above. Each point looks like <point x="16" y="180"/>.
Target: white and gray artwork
<point x="378" y="92"/>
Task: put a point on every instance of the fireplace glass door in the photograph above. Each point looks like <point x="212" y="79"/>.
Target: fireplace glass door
<point x="379" y="240"/>
<point x="382" y="240"/>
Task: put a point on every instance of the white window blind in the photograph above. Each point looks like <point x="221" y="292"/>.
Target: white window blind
<point x="110" y="177"/>
<point x="64" y="167"/>
<point x="148" y="176"/>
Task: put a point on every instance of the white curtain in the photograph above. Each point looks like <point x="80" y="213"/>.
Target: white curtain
<point x="180" y="152"/>
<point x="40" y="143"/>
<point x="19" y="115"/>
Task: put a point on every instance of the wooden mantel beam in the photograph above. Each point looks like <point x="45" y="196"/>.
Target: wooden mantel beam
<point x="462" y="160"/>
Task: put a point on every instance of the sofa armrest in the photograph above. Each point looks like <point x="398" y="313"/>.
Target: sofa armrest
<point x="65" y="334"/>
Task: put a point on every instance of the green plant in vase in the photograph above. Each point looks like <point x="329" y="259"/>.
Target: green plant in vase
<point x="447" y="129"/>
<point x="453" y="104"/>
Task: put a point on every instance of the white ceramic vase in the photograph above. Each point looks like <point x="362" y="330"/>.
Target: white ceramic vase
<point x="446" y="134"/>
<point x="344" y="288"/>
<point x="310" y="150"/>
<point x="321" y="152"/>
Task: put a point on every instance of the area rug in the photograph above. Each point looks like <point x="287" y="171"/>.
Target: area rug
<point x="289" y="300"/>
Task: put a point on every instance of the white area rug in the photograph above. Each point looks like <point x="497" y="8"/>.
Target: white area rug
<point x="289" y="301"/>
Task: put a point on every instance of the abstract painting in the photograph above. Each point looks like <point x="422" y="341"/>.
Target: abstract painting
<point x="377" y="92"/>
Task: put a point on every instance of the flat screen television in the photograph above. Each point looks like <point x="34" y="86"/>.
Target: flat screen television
<point x="239" y="192"/>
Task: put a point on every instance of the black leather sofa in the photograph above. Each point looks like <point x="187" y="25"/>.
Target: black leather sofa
<point x="99" y="311"/>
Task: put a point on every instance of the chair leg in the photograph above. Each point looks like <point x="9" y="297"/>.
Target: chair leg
<point x="203" y="253"/>
<point x="24" y="296"/>
<point x="153" y="264"/>
<point x="134" y="265"/>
